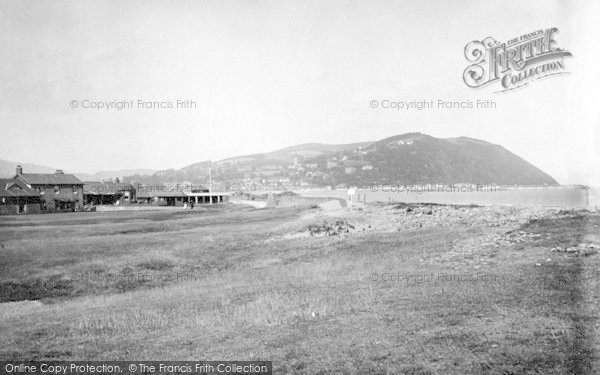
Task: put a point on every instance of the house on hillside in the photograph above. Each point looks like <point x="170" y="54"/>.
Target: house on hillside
<point x="16" y="197"/>
<point x="59" y="191"/>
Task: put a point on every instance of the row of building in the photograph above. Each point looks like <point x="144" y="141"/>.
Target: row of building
<point x="55" y="192"/>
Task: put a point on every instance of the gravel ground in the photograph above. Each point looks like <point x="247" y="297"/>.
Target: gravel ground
<point x="404" y="217"/>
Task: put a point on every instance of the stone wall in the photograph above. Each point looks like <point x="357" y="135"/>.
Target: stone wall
<point x="9" y="209"/>
<point x="13" y="209"/>
<point x="32" y="208"/>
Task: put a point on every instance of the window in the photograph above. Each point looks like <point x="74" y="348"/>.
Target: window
<point x="56" y="189"/>
<point x="74" y="189"/>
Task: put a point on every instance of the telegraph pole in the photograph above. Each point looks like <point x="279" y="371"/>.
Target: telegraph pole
<point x="209" y="183"/>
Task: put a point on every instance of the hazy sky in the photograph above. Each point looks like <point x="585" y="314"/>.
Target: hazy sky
<point x="271" y="74"/>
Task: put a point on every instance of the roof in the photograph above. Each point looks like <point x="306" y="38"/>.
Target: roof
<point x="65" y="200"/>
<point x="49" y="179"/>
<point x="15" y="188"/>
<point x="105" y="188"/>
<point x="162" y="191"/>
<point x="161" y="194"/>
<point x="206" y="194"/>
<point x="176" y="194"/>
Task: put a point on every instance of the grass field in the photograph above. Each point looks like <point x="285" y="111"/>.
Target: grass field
<point x="240" y="283"/>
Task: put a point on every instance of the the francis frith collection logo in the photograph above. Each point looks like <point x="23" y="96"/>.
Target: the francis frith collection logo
<point x="514" y="63"/>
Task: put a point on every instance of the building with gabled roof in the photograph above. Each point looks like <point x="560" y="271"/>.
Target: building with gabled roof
<point x="16" y="197"/>
<point x="108" y="192"/>
<point x="59" y="191"/>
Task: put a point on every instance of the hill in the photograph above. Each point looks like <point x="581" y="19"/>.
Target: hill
<point x="416" y="158"/>
<point x="7" y="170"/>
<point x="411" y="158"/>
<point x="106" y="175"/>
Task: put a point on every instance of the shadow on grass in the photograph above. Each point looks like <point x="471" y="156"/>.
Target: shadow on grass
<point x="565" y="280"/>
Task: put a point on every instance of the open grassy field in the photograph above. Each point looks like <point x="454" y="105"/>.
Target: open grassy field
<point x="238" y="283"/>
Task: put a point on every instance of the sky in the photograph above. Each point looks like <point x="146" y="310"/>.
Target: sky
<point x="264" y="75"/>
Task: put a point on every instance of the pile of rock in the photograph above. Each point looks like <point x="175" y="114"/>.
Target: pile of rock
<point x="338" y="228"/>
<point x="516" y="237"/>
<point x="414" y="216"/>
<point x="580" y="250"/>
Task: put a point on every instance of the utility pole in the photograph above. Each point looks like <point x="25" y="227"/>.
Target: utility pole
<point x="209" y="183"/>
<point x="587" y="196"/>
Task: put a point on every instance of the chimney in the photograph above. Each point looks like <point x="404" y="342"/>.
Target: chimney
<point x="59" y="171"/>
<point x="19" y="170"/>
